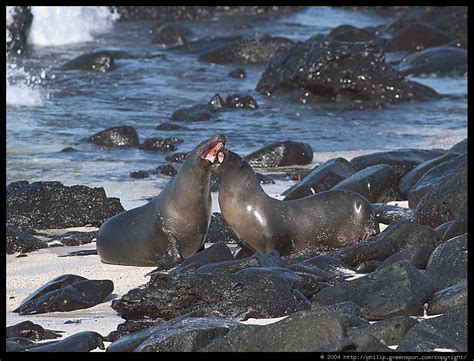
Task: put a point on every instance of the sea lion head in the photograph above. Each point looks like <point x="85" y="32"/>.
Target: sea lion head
<point x="206" y="152"/>
<point x="229" y="164"/>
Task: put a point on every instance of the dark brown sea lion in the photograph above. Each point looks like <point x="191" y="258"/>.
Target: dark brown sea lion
<point x="173" y="225"/>
<point x="324" y="221"/>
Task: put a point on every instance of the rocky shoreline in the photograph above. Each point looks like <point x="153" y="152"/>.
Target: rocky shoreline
<point x="362" y="297"/>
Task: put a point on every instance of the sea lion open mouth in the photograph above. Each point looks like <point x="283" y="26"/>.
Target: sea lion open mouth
<point x="211" y="152"/>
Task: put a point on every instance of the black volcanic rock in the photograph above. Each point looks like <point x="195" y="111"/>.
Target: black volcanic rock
<point x="352" y="73"/>
<point x="399" y="289"/>
<point x="377" y="183"/>
<point x="123" y="136"/>
<point x="321" y="178"/>
<point x="448" y="331"/>
<point x="233" y="296"/>
<point x="45" y="205"/>
<point x="448" y="298"/>
<point x="281" y="154"/>
<point x="21" y="241"/>
<point x="169" y="34"/>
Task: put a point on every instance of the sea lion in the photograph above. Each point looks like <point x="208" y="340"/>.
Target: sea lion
<point x="173" y="225"/>
<point x="323" y="221"/>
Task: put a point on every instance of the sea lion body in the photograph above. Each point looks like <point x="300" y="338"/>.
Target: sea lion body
<point x="169" y="228"/>
<point x="324" y="221"/>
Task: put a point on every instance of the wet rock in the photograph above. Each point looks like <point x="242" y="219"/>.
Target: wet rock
<point x="178" y="157"/>
<point x="281" y="154"/>
<point x="123" y="136"/>
<point x="249" y="51"/>
<point x="321" y="178"/>
<point x="231" y="296"/>
<point x="448" y="262"/>
<point x="188" y="335"/>
<point x="161" y="144"/>
<point x="410" y="178"/>
<point x="436" y="176"/>
<point x="397" y="236"/>
<point x="54" y="284"/>
<point x="219" y="230"/>
<point x="323" y="269"/>
<point x="79" y="342"/>
<point x="354" y="74"/>
<point x="195" y="113"/>
<point x="399" y="289"/>
<point x="140" y="174"/>
<point x="391" y="331"/>
<point x="355" y="343"/>
<point x="258" y="259"/>
<point x="238" y="73"/>
<point x="216" y="253"/>
<point x="448" y="331"/>
<point x="239" y="101"/>
<point x="170" y="34"/>
<point x="416" y="37"/>
<point x="51" y="205"/>
<point x="450" y="19"/>
<point x="75" y="238"/>
<point x="166" y="169"/>
<point x="167" y="13"/>
<point x="442" y="228"/>
<point x="170" y="126"/>
<point x="459" y="226"/>
<point x="68" y="150"/>
<point x="376" y="183"/>
<point x="402" y="160"/>
<point x="18" y="29"/>
<point x="31" y="331"/>
<point x="387" y="213"/>
<point x="444" y="202"/>
<point x="448" y="298"/>
<point x="439" y="60"/>
<point x="21" y="241"/>
<point x="58" y="295"/>
<point x="304" y="283"/>
<point x="131" y="327"/>
<point x="418" y="255"/>
<point x="460" y="147"/>
<point x="100" y="61"/>
<point x="321" y="326"/>
<point x="352" y="34"/>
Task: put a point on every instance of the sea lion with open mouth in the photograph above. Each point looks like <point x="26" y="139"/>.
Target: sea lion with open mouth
<point x="323" y="221"/>
<point x="173" y="225"/>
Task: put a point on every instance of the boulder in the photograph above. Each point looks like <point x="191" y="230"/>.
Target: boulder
<point x="399" y="289"/>
<point x="416" y="37"/>
<point x="100" y="61"/>
<point x="161" y="144"/>
<point x="438" y="60"/>
<point x="448" y="298"/>
<point x="444" y="202"/>
<point x="448" y="262"/>
<point x="46" y="205"/>
<point x="21" y="241"/>
<point x="387" y="213"/>
<point x="448" y="331"/>
<point x="169" y="34"/>
<point x="409" y="180"/>
<point x="321" y="178"/>
<point x="435" y="176"/>
<point x="232" y="296"/>
<point x="402" y="160"/>
<point x="123" y="136"/>
<point x="354" y="74"/>
<point x="377" y="183"/>
<point x="281" y="154"/>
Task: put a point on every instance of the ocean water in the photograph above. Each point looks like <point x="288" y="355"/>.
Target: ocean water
<point x="49" y="109"/>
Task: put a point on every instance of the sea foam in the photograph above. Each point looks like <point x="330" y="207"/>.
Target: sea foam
<point x="60" y="25"/>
